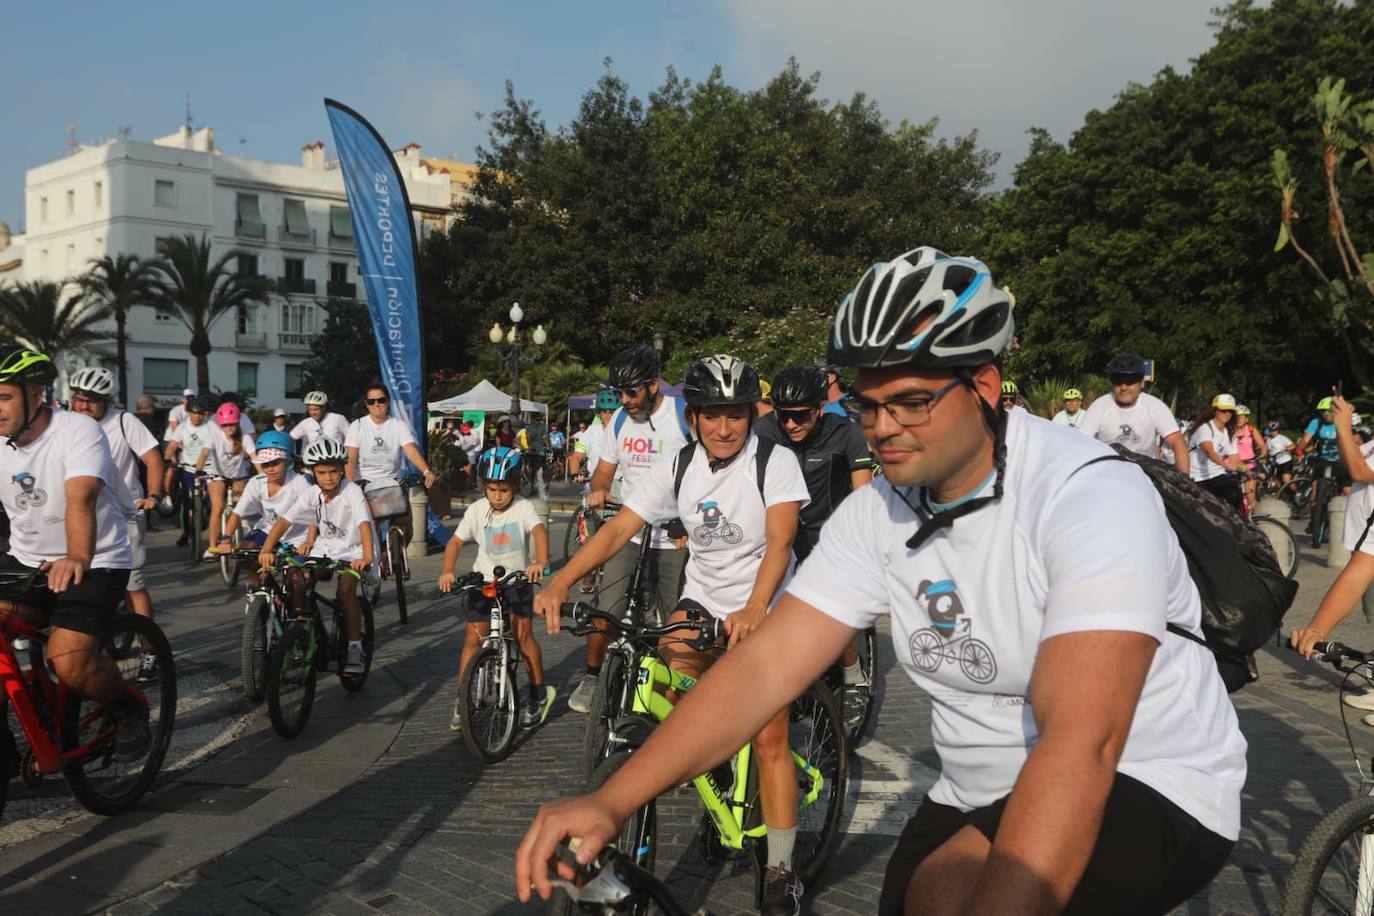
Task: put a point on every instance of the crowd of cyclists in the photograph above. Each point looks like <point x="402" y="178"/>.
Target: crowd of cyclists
<point x="796" y="515"/>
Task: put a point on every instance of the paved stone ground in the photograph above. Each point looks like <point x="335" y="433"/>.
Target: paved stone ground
<point x="376" y="807"/>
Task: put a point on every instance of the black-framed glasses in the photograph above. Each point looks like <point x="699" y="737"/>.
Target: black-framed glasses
<point x="908" y="411"/>
<point x="796" y="417"/>
<point x="381" y="400"/>
<point x="82" y="398"/>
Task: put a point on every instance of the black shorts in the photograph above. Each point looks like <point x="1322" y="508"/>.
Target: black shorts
<point x="86" y="608"/>
<point x="1150" y="854"/>
<point x="519" y="600"/>
<point x="1338" y="472"/>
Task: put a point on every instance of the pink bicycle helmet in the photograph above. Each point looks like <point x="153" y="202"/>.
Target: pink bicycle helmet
<point x="227" y="415"/>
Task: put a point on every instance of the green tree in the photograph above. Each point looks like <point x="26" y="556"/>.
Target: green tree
<point x="120" y="282"/>
<point x="199" y="290"/>
<point x="343" y="358"/>
<point x="40" y="316"/>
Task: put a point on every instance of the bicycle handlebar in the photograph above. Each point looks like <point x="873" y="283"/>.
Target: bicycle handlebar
<point x="475" y="579"/>
<point x="583" y="614"/>
<point x="1333" y="652"/>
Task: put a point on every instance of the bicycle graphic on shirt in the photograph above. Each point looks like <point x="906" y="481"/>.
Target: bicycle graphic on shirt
<point x="714" y="525"/>
<point x="30" y="495"/>
<point x="930" y="649"/>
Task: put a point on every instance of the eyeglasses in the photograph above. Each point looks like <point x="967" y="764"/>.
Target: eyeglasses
<point x="913" y="411"/>
<point x="376" y="400"/>
<point x="630" y="390"/>
<point x="796" y="417"/>
<point x="86" y="399"/>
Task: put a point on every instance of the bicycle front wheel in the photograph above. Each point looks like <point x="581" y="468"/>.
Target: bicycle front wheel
<point x="254" y="646"/>
<point x="490" y="706"/>
<point x="396" y="547"/>
<point x="1282" y="540"/>
<point x="1321" y="512"/>
<point x="1334" y="869"/>
<point x="291" y="679"/>
<point x="101" y="783"/>
<point x="228" y="566"/>
<point x="608" y="702"/>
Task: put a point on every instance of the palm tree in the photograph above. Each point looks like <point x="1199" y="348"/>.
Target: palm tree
<point x="119" y="283"/>
<point x="39" y="318"/>
<point x="198" y="292"/>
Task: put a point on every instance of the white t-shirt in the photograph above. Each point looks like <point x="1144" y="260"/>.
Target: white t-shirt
<point x="175" y="416"/>
<point x="338" y="519"/>
<point x="637" y="446"/>
<point x="227" y="464"/>
<point x="379" y="446"/>
<point x="725" y="517"/>
<point x="1359" y="507"/>
<point x="334" y="426"/>
<point x="128" y="438"/>
<point x="593" y="444"/>
<point x="502" y="537"/>
<point x="1071" y="420"/>
<point x="1280" y="448"/>
<point x="471" y="444"/>
<point x="255" y="501"/>
<point x="1066" y="549"/>
<point x="194" y="440"/>
<point x="33" y="489"/>
<point x="1200" y="467"/>
<point x="1139" y="427"/>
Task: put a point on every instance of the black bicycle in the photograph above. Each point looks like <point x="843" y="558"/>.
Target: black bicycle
<point x="1326" y="489"/>
<point x="195" y="515"/>
<point x="614" y="883"/>
<point x="266" y="615"/>
<point x="307" y="646"/>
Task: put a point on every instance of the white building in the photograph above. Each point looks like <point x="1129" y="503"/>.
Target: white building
<point x="291" y="223"/>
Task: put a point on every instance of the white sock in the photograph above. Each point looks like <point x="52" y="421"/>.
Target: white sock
<point x="854" y="675"/>
<point x="780" y="843"/>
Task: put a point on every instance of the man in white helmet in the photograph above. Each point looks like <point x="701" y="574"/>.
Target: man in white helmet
<point x="319" y="422"/>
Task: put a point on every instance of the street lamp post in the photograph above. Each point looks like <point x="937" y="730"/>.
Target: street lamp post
<point x="514" y="351"/>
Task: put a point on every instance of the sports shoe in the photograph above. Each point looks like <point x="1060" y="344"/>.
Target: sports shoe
<point x="354" y="663"/>
<point x="455" y="724"/>
<point x="536" y="712"/>
<point x="132" y="736"/>
<point x="183" y="540"/>
<point x="782" y="892"/>
<point x="148" y="669"/>
<point x="581" y="699"/>
<point x="1363" y="701"/>
<point x="209" y="555"/>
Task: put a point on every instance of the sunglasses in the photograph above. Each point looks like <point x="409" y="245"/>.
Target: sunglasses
<point x="631" y="391"/>
<point x="796" y="417"/>
<point x="377" y="400"/>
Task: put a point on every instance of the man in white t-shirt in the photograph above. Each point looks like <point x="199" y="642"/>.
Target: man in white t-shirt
<point x="177" y="415"/>
<point x="378" y="445"/>
<point x="1030" y="588"/>
<point x="68" y="510"/>
<point x="1072" y="414"/>
<point x="319" y="422"/>
<point x="130" y="444"/>
<point x="649" y="428"/>
<point x="1133" y="417"/>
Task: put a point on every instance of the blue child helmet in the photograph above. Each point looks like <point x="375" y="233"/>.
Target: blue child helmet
<point x="499" y="464"/>
<point x="274" y="439"/>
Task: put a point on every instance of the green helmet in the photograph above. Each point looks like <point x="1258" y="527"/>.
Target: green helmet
<point x="607" y="399"/>
<point x="1073" y="394"/>
<point x="26" y="367"/>
<point x="1324" y="404"/>
<point x="1009" y="387"/>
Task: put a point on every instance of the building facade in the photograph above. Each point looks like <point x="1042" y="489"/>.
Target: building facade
<point x="289" y="223"/>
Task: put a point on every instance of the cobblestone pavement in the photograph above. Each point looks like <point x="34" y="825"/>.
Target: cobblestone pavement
<point x="419" y="826"/>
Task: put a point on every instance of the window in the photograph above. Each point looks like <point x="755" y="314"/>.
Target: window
<point x="248" y="319"/>
<point x="164" y="376"/>
<point x="71" y="203"/>
<point x="164" y="192"/>
<point x="99" y="194"/>
<point x="338" y="272"/>
<point x="42" y="211"/>
<point x="294" y="269"/>
<point x="249" y="222"/>
<point x="296" y="223"/>
<point x="295" y="381"/>
<point x="248" y="265"/>
<point x="297" y="318"/>
<point x="248" y="379"/>
<point x="340" y="225"/>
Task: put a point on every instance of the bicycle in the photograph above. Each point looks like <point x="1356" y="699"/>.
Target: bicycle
<point x="929" y="650"/>
<point x="307" y="647"/>
<point x="1326" y="490"/>
<point x="68" y="732"/>
<point x="388" y="500"/>
<point x="1334" y="867"/>
<point x="1279" y="536"/>
<point x="266" y="614"/>
<point x="493" y="688"/>
<point x="586" y="521"/>
<point x="734" y="817"/>
<point x="614" y="883"/>
<point x="228" y="562"/>
<point x="195" y="514"/>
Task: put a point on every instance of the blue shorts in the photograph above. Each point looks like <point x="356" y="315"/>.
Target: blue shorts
<point x="257" y="537"/>
<point x="518" y="600"/>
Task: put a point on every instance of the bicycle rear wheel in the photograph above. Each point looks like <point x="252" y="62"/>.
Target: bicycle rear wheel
<point x="608" y="702"/>
<point x="291" y="678"/>
<point x="1334" y="868"/>
<point x="1284" y="544"/>
<point x="491" y="708"/>
<point x="254" y="646"/>
<point x="396" y="549"/>
<point x="354" y="682"/>
<point x="102" y="784"/>
<point x="228" y="566"/>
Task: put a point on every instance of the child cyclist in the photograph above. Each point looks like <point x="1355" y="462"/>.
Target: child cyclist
<point x="737" y="579"/>
<point x="233" y="451"/>
<point x="268" y="496"/>
<point x="338" y="526"/>
<point x="502" y="523"/>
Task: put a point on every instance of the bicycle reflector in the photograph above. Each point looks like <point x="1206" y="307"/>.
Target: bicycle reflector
<point x="489" y="590"/>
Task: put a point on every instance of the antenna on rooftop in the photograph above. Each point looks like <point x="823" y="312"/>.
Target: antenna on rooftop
<point x="188" y="111"/>
<point x="73" y="144"/>
<point x="125" y="132"/>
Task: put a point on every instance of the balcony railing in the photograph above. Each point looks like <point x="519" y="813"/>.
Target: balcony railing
<point x="336" y="241"/>
<point x="304" y="239"/>
<point x="304" y="285"/>
<point x="301" y="343"/>
<point x="250" y="341"/>
<point x="250" y="230"/>
<point x="338" y="289"/>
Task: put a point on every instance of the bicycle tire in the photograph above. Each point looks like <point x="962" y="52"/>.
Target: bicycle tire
<point x="491" y="715"/>
<point x="1319" y="513"/>
<point x="1284" y="544"/>
<point x="857" y="706"/>
<point x="396" y="547"/>
<point x="607" y="704"/>
<point x="228" y="566"/>
<point x="255" y="646"/>
<point x="198" y="522"/>
<point x="354" y="682"/>
<point x="291" y="679"/>
<point x="100" y="783"/>
<point x="1327" y="838"/>
<point x="570" y="537"/>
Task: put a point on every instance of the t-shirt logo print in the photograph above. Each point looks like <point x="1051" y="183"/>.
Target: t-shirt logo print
<point x="378" y="445"/>
<point x="714" y="525"/>
<point x="1127" y="434"/>
<point x="949" y="638"/>
<point x="330" y="530"/>
<point x="30" y="495"/>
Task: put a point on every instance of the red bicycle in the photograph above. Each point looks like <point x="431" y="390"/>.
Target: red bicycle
<point x="66" y="731"/>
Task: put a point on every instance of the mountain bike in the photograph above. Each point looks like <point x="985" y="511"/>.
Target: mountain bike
<point x="307" y="646"/>
<point x="614" y="883"/>
<point x="734" y="818"/>
<point x="68" y="732"/>
<point x="195" y="514"/>
<point x="494" y="687"/>
<point x="1279" y="536"/>
<point x="266" y="614"/>
<point x="389" y="500"/>
<point x="1326" y="490"/>
<point x="1334" y="868"/>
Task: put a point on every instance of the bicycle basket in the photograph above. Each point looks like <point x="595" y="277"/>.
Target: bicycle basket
<point x="386" y="499"/>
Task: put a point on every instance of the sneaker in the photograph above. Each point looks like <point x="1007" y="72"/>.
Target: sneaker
<point x="183" y="540"/>
<point x="209" y="555"/>
<point x="536" y="712"/>
<point x="132" y="735"/>
<point x="782" y="892"/>
<point x="455" y="724"/>
<point x="167" y="504"/>
<point x="148" y="669"/>
<point x="354" y="662"/>
<point x="581" y="699"/>
<point x="1363" y="701"/>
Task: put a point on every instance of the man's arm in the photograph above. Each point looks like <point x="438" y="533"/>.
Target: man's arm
<point x="81" y="493"/>
<point x="153" y="462"/>
<point x="1180" y="448"/>
<point x="860" y="478"/>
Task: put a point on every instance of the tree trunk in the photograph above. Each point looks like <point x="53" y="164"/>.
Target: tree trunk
<point x="200" y="349"/>
<point x="120" y="318"/>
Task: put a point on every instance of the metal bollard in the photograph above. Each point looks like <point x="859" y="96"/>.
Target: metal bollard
<point x="1336" y="553"/>
<point x="419" y="519"/>
<point x="1275" y="508"/>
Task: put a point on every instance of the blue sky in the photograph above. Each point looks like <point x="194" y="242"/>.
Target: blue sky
<point x="256" y="72"/>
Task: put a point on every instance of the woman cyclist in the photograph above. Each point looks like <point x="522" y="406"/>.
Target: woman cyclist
<point x="734" y="582"/>
<point x="1214" y="463"/>
<point x="1250" y="448"/>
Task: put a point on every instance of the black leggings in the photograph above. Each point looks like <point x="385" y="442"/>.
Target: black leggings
<point x="1150" y="855"/>
<point x="1225" y="487"/>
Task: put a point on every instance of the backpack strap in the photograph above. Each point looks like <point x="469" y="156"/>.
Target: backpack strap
<point x="618" y="421"/>
<point x="680" y="464"/>
<point x="1364" y="534"/>
<point x="765" y="451"/>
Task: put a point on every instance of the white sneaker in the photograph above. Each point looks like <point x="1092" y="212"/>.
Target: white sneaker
<point x="1363" y="701"/>
<point x="455" y="724"/>
<point x="581" y="699"/>
<point x="354" y="663"/>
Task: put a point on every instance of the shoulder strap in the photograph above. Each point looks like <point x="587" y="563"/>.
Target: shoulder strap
<point x="619" y="420"/>
<point x="680" y="463"/>
<point x="765" y="451"/>
<point x="1364" y="534"/>
<point x="124" y="431"/>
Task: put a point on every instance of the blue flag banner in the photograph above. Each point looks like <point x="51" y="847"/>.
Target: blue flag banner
<point x="384" y="235"/>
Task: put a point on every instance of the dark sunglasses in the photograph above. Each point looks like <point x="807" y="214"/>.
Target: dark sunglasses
<point x="631" y="391"/>
<point x="376" y="400"/>
<point x="797" y="417"/>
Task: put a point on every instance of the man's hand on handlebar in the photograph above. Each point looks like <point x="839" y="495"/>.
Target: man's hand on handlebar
<point x="1304" y="638"/>
<point x="586" y="817"/>
<point x="597" y="499"/>
<point x="549" y="603"/>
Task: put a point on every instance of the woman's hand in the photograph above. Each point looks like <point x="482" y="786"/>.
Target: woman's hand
<point x="1303" y="639"/>
<point x="586" y="818"/>
<point x="743" y="622"/>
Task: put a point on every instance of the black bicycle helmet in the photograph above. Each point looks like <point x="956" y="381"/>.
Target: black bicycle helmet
<point x="719" y="380"/>
<point x="634" y="366"/>
<point x="799" y="386"/>
<point x="203" y="404"/>
<point x="1126" y="364"/>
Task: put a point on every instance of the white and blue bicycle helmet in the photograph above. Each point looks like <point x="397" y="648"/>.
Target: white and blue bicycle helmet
<point x="499" y="464"/>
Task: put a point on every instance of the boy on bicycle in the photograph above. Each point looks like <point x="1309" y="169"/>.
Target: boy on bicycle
<point x="502" y="523"/>
<point x="339" y="527"/>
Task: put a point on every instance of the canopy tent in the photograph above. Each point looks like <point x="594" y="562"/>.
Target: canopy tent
<point x="486" y="397"/>
<point x="588" y="401"/>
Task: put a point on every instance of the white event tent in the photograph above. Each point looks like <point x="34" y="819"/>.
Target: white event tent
<point x="486" y="397"/>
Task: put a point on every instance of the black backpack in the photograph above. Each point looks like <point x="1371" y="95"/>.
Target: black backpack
<point x="1244" y="591"/>
<point x="684" y="458"/>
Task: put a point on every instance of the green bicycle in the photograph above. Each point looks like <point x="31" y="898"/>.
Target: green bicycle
<point x="733" y="821"/>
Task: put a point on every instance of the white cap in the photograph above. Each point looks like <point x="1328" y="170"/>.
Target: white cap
<point x="188" y="392"/>
<point x="279" y="412"/>
<point x="1224" y="402"/>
